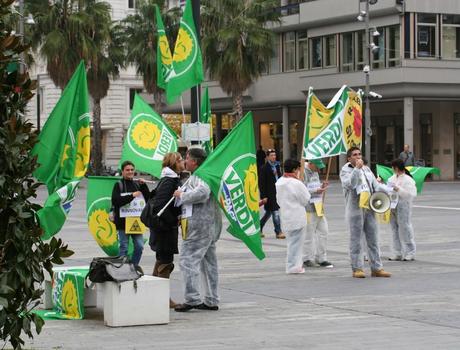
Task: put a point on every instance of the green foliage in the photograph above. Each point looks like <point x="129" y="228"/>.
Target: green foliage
<point x="237" y="45"/>
<point x="23" y="255"/>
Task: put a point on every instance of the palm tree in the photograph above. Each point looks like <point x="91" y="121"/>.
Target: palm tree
<point x="72" y="30"/>
<point x="236" y="43"/>
<point x="141" y="33"/>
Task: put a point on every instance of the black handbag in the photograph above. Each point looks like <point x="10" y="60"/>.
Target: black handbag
<point x="116" y="269"/>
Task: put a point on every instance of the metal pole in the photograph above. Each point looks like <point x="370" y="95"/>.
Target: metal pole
<point x="39" y="106"/>
<point x="21" y="34"/>
<point x="367" y="113"/>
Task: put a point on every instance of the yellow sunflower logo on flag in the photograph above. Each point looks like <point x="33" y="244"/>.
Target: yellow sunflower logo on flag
<point x="102" y="229"/>
<point x="251" y="188"/>
<point x="184" y="46"/>
<point x="70" y="300"/>
<point x="146" y="135"/>
<point x="166" y="57"/>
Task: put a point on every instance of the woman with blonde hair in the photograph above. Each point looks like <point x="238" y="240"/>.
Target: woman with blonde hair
<point x="164" y="229"/>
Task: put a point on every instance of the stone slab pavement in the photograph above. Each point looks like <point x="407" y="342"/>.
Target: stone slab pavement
<point x="263" y="308"/>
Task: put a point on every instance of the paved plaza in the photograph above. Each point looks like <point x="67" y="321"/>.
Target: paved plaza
<point x="263" y="308"/>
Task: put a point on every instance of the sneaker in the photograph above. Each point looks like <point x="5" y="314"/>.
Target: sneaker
<point x="309" y="263"/>
<point x="358" y="273"/>
<point x="380" y="273"/>
<point x="395" y="258"/>
<point x="203" y="306"/>
<point x="326" y="264"/>
<point x="296" y="271"/>
<point x="185" y="307"/>
<point x="280" y="235"/>
<point x="409" y="258"/>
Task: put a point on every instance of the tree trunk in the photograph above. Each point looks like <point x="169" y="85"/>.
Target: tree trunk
<point x="96" y="151"/>
<point x="238" y="105"/>
<point x="158" y="98"/>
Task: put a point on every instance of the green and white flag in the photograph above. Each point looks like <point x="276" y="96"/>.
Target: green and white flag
<point x="332" y="130"/>
<point x="98" y="207"/>
<point x="187" y="61"/>
<point x="418" y="174"/>
<point x="148" y="139"/>
<point x="206" y="117"/>
<point x="231" y="173"/>
<point x="63" y="152"/>
<point x="164" y="57"/>
<point x="68" y="294"/>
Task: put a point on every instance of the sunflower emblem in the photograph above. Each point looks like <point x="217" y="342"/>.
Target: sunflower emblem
<point x="251" y="188"/>
<point x="83" y="147"/>
<point x="146" y="135"/>
<point x="184" y="46"/>
<point x="70" y="300"/>
<point x="65" y="154"/>
<point x="166" y="57"/>
<point x="102" y="229"/>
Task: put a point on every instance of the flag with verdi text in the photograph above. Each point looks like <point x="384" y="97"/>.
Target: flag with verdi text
<point x="231" y="173"/>
<point x="187" y="62"/>
<point x="332" y="130"/>
<point x="63" y="152"/>
<point x="148" y="139"/>
<point x="206" y="117"/>
<point x="164" y="57"/>
<point x="418" y="174"/>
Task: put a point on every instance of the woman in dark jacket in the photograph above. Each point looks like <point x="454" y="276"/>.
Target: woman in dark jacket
<point x="164" y="230"/>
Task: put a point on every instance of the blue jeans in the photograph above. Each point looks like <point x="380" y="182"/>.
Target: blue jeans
<point x="275" y="214"/>
<point x="138" y="241"/>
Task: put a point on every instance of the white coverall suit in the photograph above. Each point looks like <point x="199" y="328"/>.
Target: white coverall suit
<point x="401" y="217"/>
<point x="360" y="221"/>
<point x="198" y="260"/>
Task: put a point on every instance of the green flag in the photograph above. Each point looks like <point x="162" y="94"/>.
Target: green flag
<point x="68" y="294"/>
<point x="332" y="130"/>
<point x="164" y="57"/>
<point x="231" y="173"/>
<point x="148" y="139"/>
<point x="418" y="174"/>
<point x="98" y="207"/>
<point x="63" y="152"/>
<point x="187" y="62"/>
<point x="206" y="117"/>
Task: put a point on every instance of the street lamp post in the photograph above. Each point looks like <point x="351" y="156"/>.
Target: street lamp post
<point x="21" y="33"/>
<point x="367" y="112"/>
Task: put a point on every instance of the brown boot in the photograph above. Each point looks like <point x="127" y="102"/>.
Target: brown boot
<point x="164" y="270"/>
<point x="358" y="273"/>
<point x="380" y="273"/>
<point x="172" y="304"/>
<point x="155" y="269"/>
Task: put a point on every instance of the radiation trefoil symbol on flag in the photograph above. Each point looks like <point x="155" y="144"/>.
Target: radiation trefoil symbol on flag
<point x="148" y="138"/>
<point x="240" y="196"/>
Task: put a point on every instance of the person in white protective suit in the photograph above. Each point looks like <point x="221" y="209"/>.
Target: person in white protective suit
<point x="198" y="260"/>
<point x="315" y="244"/>
<point x="358" y="183"/>
<point x="292" y="198"/>
<point x="401" y="216"/>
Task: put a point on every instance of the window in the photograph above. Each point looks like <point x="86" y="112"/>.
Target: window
<point x="289" y="51"/>
<point x="393" y="46"/>
<point x="275" y="60"/>
<point x="426" y="35"/>
<point x="131" y="4"/>
<point x="316" y="53"/>
<point x="302" y="50"/>
<point x="378" y="56"/>
<point x="132" y="93"/>
<point x="360" y="50"/>
<point x="450" y="36"/>
<point x="347" y="56"/>
<point x="330" y="51"/>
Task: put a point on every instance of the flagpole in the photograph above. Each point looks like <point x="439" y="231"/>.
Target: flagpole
<point x="195" y="91"/>
<point x="183" y="111"/>
<point x="302" y="159"/>
<point x="172" y="198"/>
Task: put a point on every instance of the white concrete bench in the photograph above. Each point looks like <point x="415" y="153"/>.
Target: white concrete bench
<point x="122" y="303"/>
<point x="125" y="305"/>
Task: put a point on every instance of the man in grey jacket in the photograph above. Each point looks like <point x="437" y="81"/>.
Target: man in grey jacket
<point x="358" y="183"/>
<point x="198" y="260"/>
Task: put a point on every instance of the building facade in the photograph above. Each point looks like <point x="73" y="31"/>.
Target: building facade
<point x="320" y="43"/>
